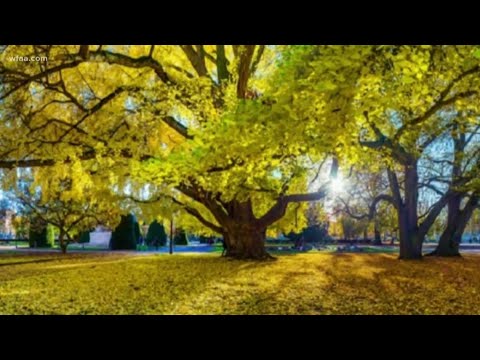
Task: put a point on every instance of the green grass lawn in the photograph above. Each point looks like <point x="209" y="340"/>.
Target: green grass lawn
<point x="314" y="283"/>
<point x="21" y="244"/>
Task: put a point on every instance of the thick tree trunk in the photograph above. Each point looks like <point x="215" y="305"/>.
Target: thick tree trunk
<point x="449" y="243"/>
<point x="244" y="236"/>
<point x="411" y="240"/>
<point x="246" y="242"/>
<point x="447" y="246"/>
<point x="63" y="247"/>
<point x="62" y="243"/>
<point x="377" y="238"/>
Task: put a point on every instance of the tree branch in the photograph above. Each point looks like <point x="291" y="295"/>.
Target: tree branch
<point x="258" y="57"/>
<point x="140" y="62"/>
<point x="441" y="102"/>
<point x="431" y="187"/>
<point x="177" y="126"/>
<point x="244" y="70"/>
<point x="372" y="208"/>
<point x="433" y="213"/>
<point x="196" y="58"/>
<point x="39" y="76"/>
<point x="394" y="187"/>
<point x="195" y="213"/>
<point x="188" y="209"/>
<point x="277" y="211"/>
<point x="222" y="64"/>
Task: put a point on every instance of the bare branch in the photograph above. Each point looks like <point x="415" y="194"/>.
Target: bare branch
<point x="222" y="64"/>
<point x="258" y="57"/>
<point x="177" y="126"/>
<point x="433" y="213"/>
<point x="196" y="58"/>
<point x="431" y="187"/>
<point x="188" y="209"/>
<point x="394" y="187"/>
<point x="40" y="76"/>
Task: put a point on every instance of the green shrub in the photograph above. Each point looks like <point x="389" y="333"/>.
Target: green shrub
<point x="142" y="247"/>
<point x="84" y="237"/>
<point x="39" y="236"/>
<point x="180" y="238"/>
<point x="156" y="232"/>
<point x="123" y="237"/>
<point x="50" y="236"/>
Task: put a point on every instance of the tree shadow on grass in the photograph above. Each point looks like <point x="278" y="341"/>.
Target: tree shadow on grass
<point x="30" y="265"/>
<point x="382" y="284"/>
<point x="139" y="285"/>
<point x="349" y="283"/>
<point x="27" y="262"/>
<point x="352" y="283"/>
<point x="200" y="284"/>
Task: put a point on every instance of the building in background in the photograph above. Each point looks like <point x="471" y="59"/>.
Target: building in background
<point x="100" y="237"/>
<point x="7" y="230"/>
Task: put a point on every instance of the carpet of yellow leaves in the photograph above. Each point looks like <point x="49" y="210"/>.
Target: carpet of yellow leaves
<point x="206" y="284"/>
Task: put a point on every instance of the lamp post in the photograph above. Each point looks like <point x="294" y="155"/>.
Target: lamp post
<point x="144" y="232"/>
<point x="171" y="235"/>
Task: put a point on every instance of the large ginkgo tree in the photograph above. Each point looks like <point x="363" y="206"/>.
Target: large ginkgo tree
<point x="222" y="133"/>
